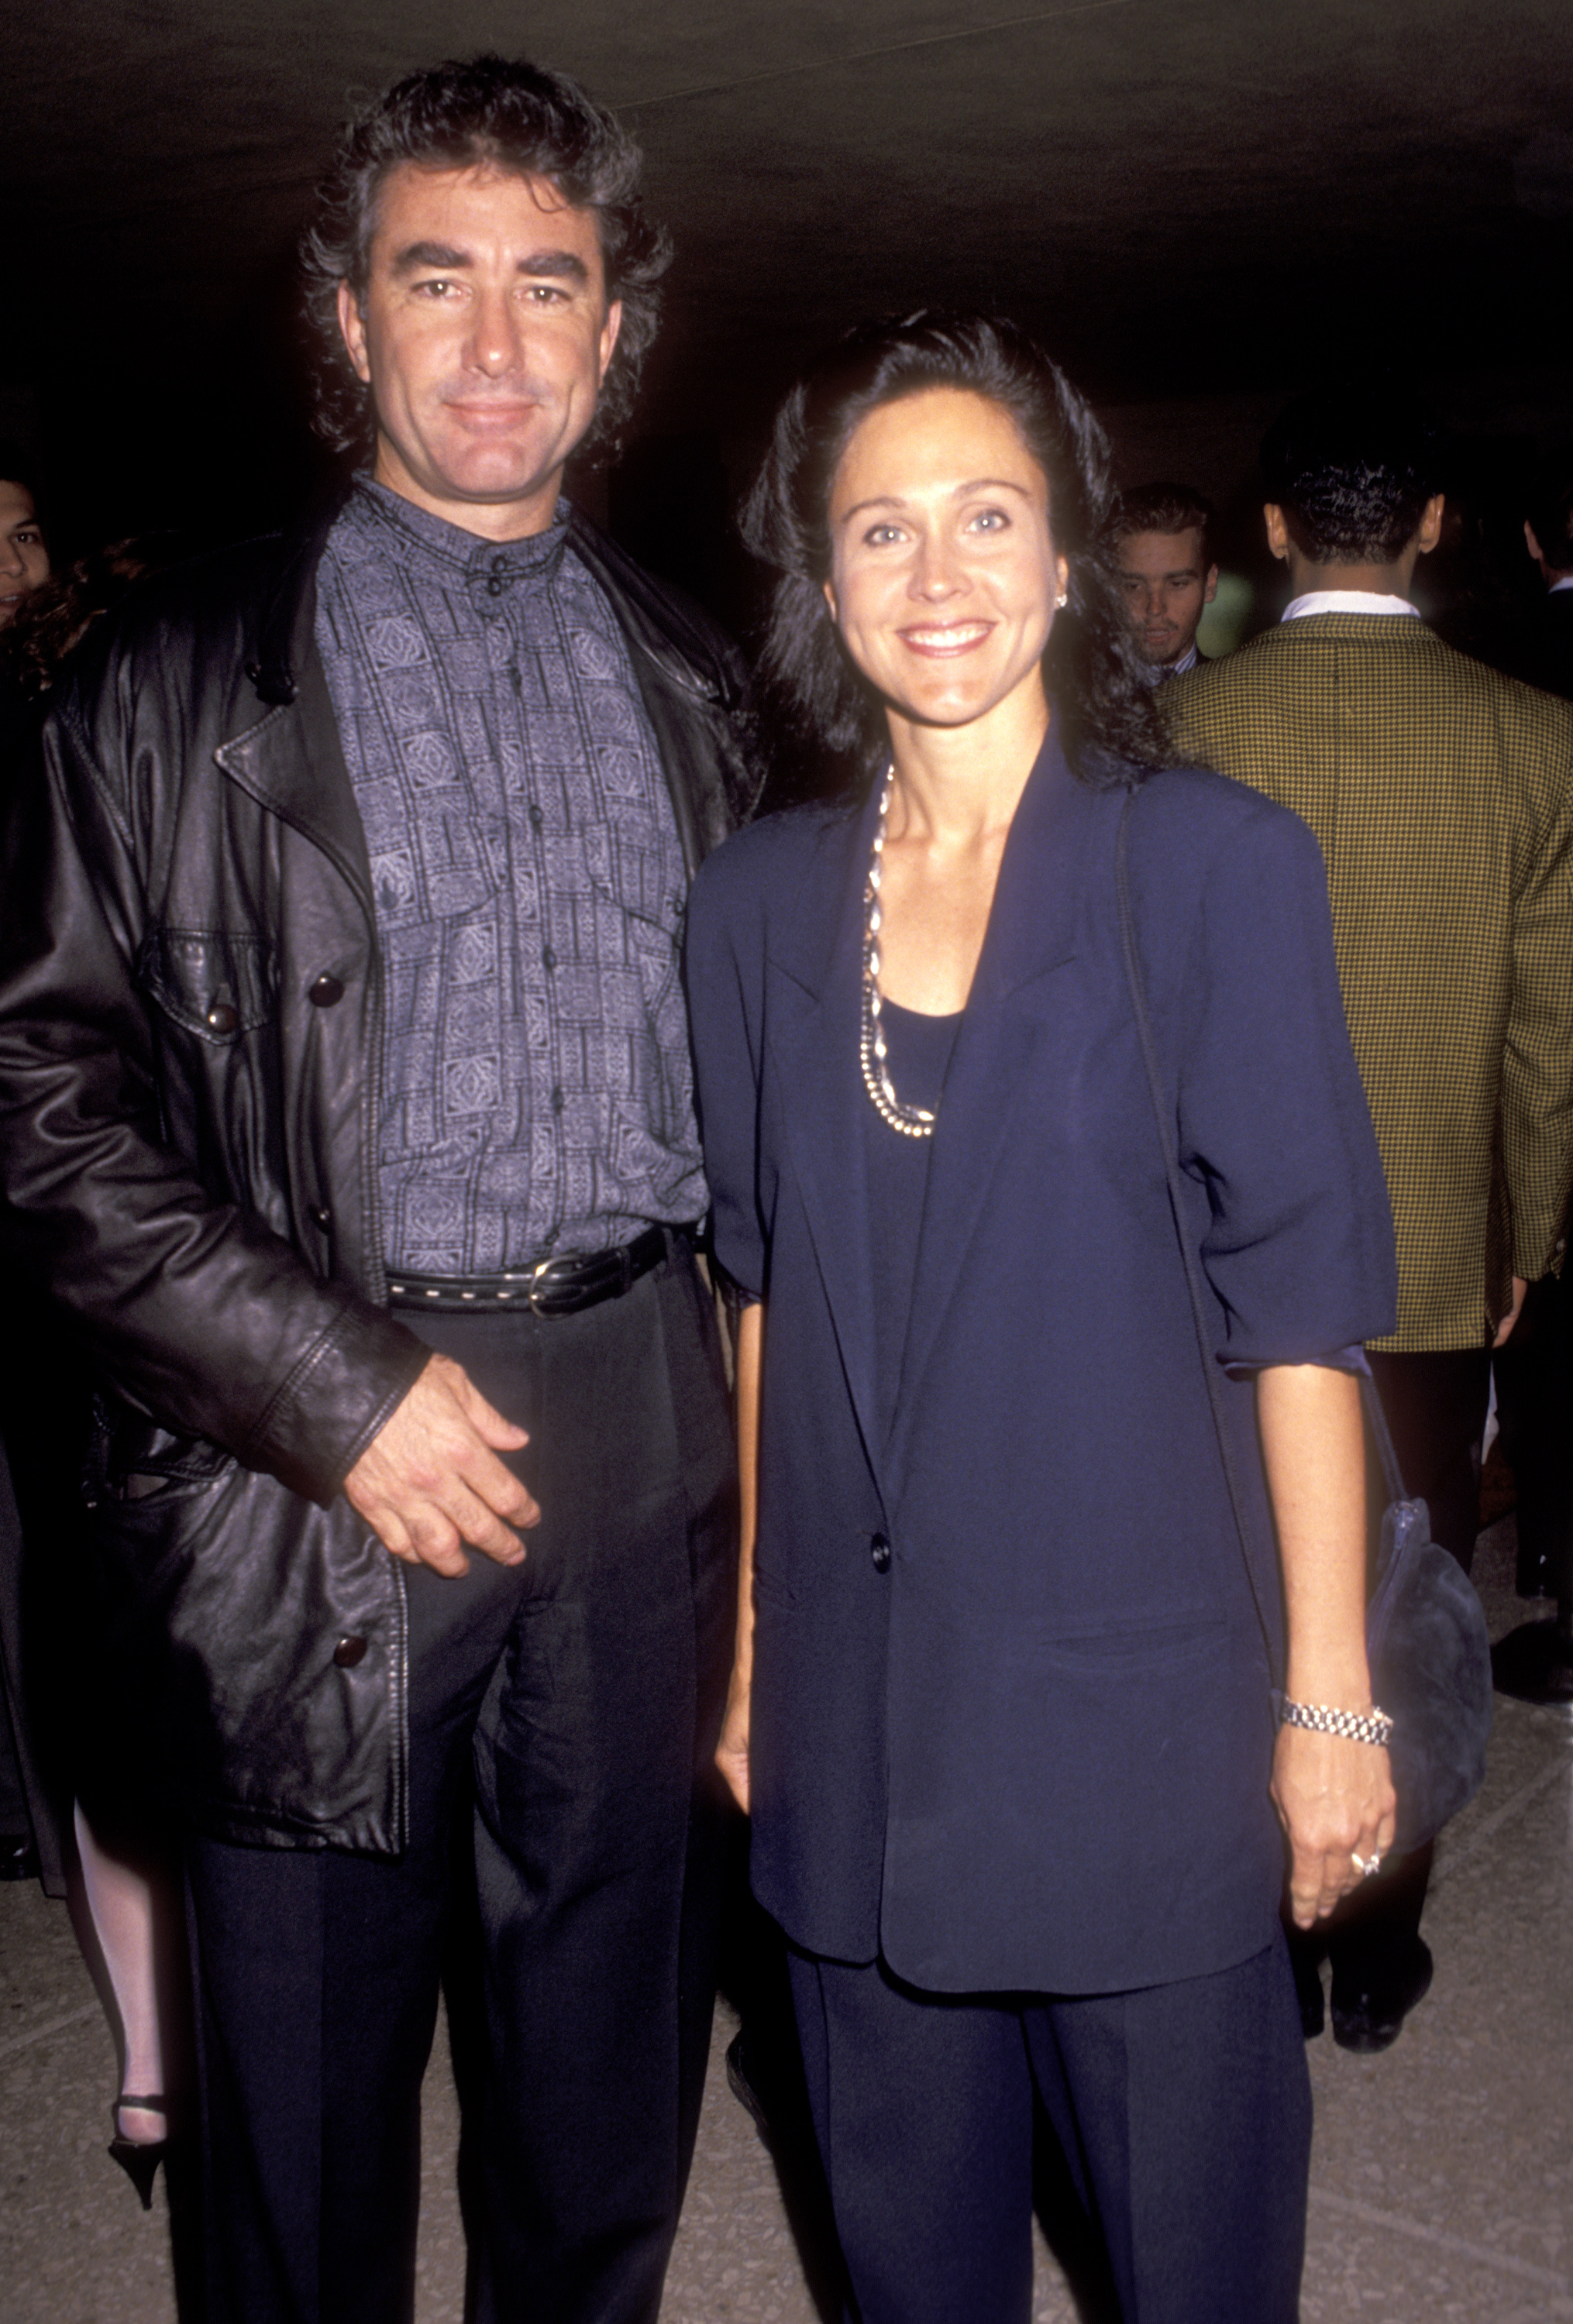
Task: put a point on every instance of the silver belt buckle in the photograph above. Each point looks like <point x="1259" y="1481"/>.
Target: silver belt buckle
<point x="536" y="1281"/>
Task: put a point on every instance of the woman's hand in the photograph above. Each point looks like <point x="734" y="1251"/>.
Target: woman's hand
<point x="732" y="1750"/>
<point x="1336" y="1802"/>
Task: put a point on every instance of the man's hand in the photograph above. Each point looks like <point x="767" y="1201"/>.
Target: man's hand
<point x="1336" y="1802"/>
<point x="430" y="1481"/>
<point x="1505" y="1329"/>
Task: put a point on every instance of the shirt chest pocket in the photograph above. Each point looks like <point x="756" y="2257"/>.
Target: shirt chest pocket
<point x="215" y="984"/>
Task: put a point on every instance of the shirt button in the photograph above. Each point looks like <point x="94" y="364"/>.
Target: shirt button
<point x="880" y="1551"/>
<point x="325" y="991"/>
<point x="536" y="817"/>
<point x="222" y="1017"/>
<point x="348" y="1652"/>
<point x="557" y="1101"/>
<point x="495" y="587"/>
<point x="549" y="958"/>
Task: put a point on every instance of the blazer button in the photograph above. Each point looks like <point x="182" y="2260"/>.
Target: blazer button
<point x="222" y="1017"/>
<point x="325" y="993"/>
<point x="881" y="1553"/>
<point x="348" y="1652"/>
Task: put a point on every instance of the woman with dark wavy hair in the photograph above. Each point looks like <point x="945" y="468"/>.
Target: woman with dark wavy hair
<point x="1003" y="1705"/>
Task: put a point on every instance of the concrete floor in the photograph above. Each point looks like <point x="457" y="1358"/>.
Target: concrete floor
<point x="1442" y="2181"/>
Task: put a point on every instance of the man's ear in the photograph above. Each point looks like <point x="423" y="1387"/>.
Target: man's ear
<point x="1430" y="528"/>
<point x="609" y="330"/>
<point x="1277" y="531"/>
<point x="1211" y="590"/>
<point x="1533" y="546"/>
<point x="352" y="329"/>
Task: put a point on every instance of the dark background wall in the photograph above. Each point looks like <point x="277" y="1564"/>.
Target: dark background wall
<point x="1196" y="204"/>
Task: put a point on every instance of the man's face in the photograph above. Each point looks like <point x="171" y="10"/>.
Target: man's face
<point x="1166" y="585"/>
<point x="23" y="558"/>
<point x="484" y="334"/>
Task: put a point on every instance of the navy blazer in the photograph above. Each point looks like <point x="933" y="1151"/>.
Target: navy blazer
<point x="1028" y="1748"/>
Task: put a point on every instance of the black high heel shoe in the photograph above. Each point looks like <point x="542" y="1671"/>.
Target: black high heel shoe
<point x="139" y="2159"/>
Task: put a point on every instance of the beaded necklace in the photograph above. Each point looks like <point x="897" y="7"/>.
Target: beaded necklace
<point x="910" y="1121"/>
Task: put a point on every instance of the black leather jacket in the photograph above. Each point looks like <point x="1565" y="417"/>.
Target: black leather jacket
<point x="189" y="999"/>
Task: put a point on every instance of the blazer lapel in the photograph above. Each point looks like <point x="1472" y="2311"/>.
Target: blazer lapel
<point x="291" y="761"/>
<point x="814" y="1020"/>
<point x="1034" y="932"/>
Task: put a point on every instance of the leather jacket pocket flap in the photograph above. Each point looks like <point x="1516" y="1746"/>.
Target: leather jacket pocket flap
<point x="215" y="984"/>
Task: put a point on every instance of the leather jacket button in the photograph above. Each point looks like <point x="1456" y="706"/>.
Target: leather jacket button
<point x="325" y="991"/>
<point x="348" y="1652"/>
<point x="880" y="1551"/>
<point x="222" y="1017"/>
<point x="321" y="1216"/>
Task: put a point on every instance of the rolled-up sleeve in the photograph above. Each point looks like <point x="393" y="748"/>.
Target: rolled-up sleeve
<point x="1298" y="1244"/>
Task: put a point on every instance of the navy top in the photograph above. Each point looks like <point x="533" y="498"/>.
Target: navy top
<point x="1029" y="1749"/>
<point x="917" y="1057"/>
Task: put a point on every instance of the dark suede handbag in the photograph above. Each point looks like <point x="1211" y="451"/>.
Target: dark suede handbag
<point x="1425" y="1633"/>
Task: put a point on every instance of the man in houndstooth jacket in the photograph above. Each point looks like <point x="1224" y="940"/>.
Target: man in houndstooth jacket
<point x="1442" y="796"/>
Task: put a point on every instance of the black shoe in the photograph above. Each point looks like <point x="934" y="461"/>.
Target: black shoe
<point x="18" y="1857"/>
<point x="139" y="2159"/>
<point x="1371" y="2018"/>
<point x="742" y="2089"/>
<point x="1308" y="1990"/>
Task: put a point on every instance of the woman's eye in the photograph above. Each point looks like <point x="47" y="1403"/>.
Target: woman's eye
<point x="878" y="535"/>
<point x="990" y="521"/>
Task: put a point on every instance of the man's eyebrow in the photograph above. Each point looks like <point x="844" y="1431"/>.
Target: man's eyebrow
<point x="566" y="263"/>
<point x="417" y="255"/>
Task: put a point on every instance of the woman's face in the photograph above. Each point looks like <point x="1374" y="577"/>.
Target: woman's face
<point x="23" y="558"/>
<point x="944" y="576"/>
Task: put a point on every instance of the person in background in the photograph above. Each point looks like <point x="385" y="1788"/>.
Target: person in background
<point x="1001" y="1706"/>
<point x="1442" y="797"/>
<point x="1534" y="1373"/>
<point x="1544" y="654"/>
<point x="23" y="566"/>
<point x="23" y="556"/>
<point x="126" y="1905"/>
<point x="346" y="1094"/>
<point x="1161" y="536"/>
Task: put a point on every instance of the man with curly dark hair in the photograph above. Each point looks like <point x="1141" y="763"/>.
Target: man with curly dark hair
<point x="347" y="1108"/>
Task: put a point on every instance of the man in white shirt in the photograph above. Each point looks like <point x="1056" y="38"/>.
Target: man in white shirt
<point x="1442" y="797"/>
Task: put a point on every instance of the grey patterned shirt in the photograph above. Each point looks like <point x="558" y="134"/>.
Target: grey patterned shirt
<point x="536" y="1093"/>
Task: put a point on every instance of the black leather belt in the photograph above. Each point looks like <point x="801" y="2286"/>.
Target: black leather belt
<point x="553" y="1287"/>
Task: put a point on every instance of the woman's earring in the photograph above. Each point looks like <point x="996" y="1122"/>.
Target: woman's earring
<point x="1062" y="597"/>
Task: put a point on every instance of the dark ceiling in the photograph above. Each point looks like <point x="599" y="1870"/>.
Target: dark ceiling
<point x="1196" y="202"/>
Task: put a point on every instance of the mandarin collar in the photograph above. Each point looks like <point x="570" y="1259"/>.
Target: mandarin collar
<point x="446" y="553"/>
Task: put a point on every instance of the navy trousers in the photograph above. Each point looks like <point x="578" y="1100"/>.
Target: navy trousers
<point x="1183" y="2112"/>
<point x="564" y="1868"/>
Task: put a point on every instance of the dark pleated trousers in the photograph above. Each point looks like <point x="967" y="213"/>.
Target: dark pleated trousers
<point x="564" y="1869"/>
<point x="1184" y="2113"/>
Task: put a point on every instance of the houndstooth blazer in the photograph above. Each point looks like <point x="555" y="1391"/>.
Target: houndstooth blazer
<point x="1442" y="796"/>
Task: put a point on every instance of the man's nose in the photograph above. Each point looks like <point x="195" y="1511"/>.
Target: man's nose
<point x="494" y="334"/>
